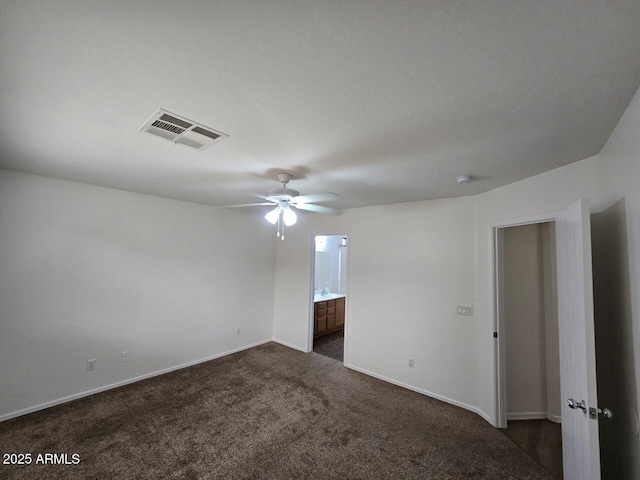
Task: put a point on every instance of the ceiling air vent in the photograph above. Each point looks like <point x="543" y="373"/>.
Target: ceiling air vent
<point x="180" y="130"/>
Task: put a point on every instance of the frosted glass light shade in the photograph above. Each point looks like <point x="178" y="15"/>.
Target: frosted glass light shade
<point x="272" y="216"/>
<point x="290" y="217"/>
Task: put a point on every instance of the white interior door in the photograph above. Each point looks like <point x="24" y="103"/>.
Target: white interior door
<point x="580" y="444"/>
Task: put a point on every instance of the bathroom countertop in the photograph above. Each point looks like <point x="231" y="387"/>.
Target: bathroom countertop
<point x="324" y="298"/>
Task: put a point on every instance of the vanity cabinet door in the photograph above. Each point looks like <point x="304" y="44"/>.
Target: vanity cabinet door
<point x="340" y="312"/>
<point x="331" y="314"/>
<point x="328" y="316"/>
<point x="320" y="311"/>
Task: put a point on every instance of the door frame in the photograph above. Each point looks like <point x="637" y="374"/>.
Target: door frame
<point x="312" y="270"/>
<point x="499" y="343"/>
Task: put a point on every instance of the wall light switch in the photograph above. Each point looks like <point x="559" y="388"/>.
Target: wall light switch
<point x="465" y="310"/>
<point x="91" y="364"/>
<point x="125" y="356"/>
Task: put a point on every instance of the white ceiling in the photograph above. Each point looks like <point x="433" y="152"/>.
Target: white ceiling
<point x="378" y="101"/>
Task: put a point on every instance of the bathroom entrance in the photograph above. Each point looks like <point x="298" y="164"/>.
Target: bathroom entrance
<point x="329" y="295"/>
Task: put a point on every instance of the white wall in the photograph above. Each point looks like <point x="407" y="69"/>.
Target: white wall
<point x="530" y="323"/>
<point x="551" y="327"/>
<point x="620" y="170"/>
<point x="88" y="272"/>
<point x="524" y="330"/>
<point x="410" y="265"/>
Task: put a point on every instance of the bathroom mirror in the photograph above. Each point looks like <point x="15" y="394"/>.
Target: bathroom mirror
<point x="322" y="271"/>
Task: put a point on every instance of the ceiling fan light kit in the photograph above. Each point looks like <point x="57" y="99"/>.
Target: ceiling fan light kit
<point x="285" y="198"/>
<point x="283" y="216"/>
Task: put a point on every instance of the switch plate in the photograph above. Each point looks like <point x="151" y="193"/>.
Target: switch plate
<point x="238" y="331"/>
<point x="125" y="356"/>
<point x="91" y="364"/>
<point x="465" y="310"/>
<point x="411" y="363"/>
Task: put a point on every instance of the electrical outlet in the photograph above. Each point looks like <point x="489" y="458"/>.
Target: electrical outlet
<point x="238" y="331"/>
<point x="465" y="310"/>
<point x="411" y="363"/>
<point x="91" y="364"/>
<point x="125" y="356"/>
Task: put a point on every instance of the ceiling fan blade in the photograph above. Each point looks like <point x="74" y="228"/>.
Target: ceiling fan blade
<point x="315" y="197"/>
<point x="257" y="195"/>
<point x="318" y="208"/>
<point x="249" y="205"/>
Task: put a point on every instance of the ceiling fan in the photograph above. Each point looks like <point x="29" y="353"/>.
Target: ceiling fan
<point x="284" y="198"/>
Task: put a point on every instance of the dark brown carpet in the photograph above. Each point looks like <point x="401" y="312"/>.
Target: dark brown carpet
<point x="331" y="345"/>
<point x="270" y="412"/>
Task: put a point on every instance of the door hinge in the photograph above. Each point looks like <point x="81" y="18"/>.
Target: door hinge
<point x="495" y="334"/>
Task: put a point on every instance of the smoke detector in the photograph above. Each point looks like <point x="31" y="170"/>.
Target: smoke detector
<point x="462" y="179"/>
<point x="181" y="130"/>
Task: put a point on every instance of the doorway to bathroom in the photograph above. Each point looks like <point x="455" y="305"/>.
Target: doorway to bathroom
<point x="328" y="318"/>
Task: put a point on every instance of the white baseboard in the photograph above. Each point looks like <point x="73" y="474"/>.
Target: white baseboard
<point x="534" y="416"/>
<point x="290" y="345"/>
<point x="442" y="398"/>
<point x="554" y="418"/>
<point x="93" y="391"/>
<point x="526" y="416"/>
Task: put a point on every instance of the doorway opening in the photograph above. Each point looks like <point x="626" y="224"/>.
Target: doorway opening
<point x="578" y="384"/>
<point x="527" y="323"/>
<point x="328" y="318"/>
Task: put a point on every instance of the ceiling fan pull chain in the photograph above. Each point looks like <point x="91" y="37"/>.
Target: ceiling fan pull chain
<point x="282" y="221"/>
<point x="278" y="232"/>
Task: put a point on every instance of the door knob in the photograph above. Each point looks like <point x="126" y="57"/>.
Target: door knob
<point x="572" y="404"/>
<point x="593" y="412"/>
<point x="604" y="412"/>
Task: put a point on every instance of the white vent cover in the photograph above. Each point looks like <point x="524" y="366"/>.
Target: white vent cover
<point x="181" y="130"/>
